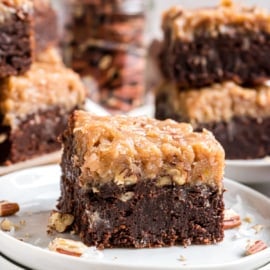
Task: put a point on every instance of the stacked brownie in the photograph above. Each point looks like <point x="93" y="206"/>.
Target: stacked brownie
<point x="107" y="50"/>
<point x="139" y="182"/>
<point x="37" y="92"/>
<point x="215" y="64"/>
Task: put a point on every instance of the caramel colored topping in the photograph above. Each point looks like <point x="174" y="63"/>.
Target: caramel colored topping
<point x="219" y="102"/>
<point x="44" y="85"/>
<point x="11" y="7"/>
<point x="126" y="150"/>
<point x="186" y="24"/>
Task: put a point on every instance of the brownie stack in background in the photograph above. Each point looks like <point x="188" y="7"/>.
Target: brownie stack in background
<point x="37" y="92"/>
<point x="216" y="65"/>
<point x="106" y="47"/>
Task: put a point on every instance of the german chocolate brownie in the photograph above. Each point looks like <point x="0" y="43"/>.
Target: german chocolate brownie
<point x="16" y="36"/>
<point x="211" y="45"/>
<point x="140" y="182"/>
<point x="45" y="25"/>
<point x="238" y="116"/>
<point x="34" y="108"/>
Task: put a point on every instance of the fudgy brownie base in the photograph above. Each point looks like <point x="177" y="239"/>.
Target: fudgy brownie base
<point x="33" y="137"/>
<point x="241" y="137"/>
<point x="240" y="56"/>
<point x="141" y="215"/>
<point x="16" y="45"/>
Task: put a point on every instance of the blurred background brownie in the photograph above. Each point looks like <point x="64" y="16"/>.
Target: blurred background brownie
<point x="215" y="69"/>
<point x="45" y="25"/>
<point x="208" y="45"/>
<point x="118" y="25"/>
<point x="105" y="45"/>
<point x="16" y="36"/>
<point x="34" y="108"/>
<point x="139" y="182"/>
<point x="239" y="117"/>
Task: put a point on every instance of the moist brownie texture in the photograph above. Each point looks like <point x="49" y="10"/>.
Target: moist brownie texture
<point x="45" y="25"/>
<point x="34" y="108"/>
<point x="209" y="45"/>
<point x="140" y="182"/>
<point x="16" y="36"/>
<point x="238" y="116"/>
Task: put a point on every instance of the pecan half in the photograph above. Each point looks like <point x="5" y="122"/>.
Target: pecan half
<point x="254" y="247"/>
<point x="231" y="219"/>
<point x="8" y="208"/>
<point x="67" y="246"/>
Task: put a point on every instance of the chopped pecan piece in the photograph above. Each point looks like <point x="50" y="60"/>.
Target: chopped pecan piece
<point x="67" y="246"/>
<point x="254" y="247"/>
<point x="231" y="219"/>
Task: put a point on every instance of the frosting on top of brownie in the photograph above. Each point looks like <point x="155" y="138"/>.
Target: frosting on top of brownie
<point x="11" y="7"/>
<point x="125" y="150"/>
<point x="223" y="19"/>
<point x="44" y="86"/>
<point x="219" y="102"/>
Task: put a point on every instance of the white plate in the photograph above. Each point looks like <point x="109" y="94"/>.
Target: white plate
<point x="249" y="171"/>
<point x="38" y="161"/>
<point x="37" y="189"/>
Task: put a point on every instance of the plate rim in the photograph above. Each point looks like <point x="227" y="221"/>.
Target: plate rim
<point x="261" y="255"/>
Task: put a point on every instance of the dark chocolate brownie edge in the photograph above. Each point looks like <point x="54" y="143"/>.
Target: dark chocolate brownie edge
<point x="144" y="215"/>
<point x="240" y="56"/>
<point x="34" y="136"/>
<point x="16" y="45"/>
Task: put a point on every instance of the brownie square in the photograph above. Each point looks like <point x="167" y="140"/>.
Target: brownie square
<point x="139" y="182"/>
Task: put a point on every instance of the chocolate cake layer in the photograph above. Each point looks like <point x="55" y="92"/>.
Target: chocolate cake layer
<point x="34" y="136"/>
<point x="205" y="46"/>
<point x="144" y="215"/>
<point x="45" y="26"/>
<point x="16" y="37"/>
